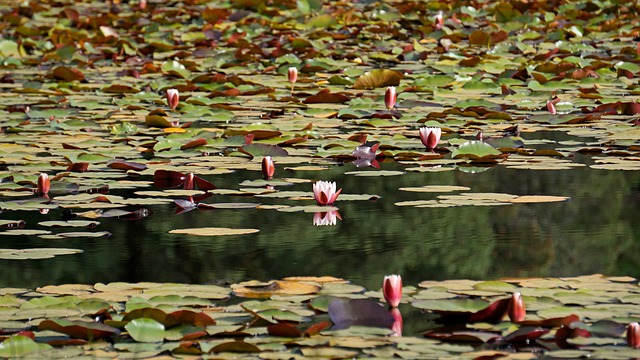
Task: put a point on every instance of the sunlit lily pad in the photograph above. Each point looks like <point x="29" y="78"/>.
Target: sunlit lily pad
<point x="213" y="231"/>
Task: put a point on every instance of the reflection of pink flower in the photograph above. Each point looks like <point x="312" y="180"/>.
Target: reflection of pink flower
<point x="326" y="218"/>
<point x="397" y="321"/>
<point x="268" y="168"/>
<point x="325" y="192"/>
<point x="633" y="335"/>
<point x="430" y="136"/>
<point x="44" y="184"/>
<point x="366" y="152"/>
<point x="390" y="97"/>
<point x="517" y="311"/>
<point x="173" y="98"/>
<point x="392" y="289"/>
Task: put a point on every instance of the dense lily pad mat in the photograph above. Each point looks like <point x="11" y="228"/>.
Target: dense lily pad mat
<point x="581" y="316"/>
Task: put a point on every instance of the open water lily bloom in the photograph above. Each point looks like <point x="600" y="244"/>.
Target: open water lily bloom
<point x="392" y="289"/>
<point x="430" y="136"/>
<point x="325" y="192"/>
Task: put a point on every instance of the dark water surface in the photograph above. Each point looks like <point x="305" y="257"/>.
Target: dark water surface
<point x="597" y="231"/>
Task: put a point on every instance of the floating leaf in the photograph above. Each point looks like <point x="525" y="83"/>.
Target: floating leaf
<point x="351" y="312"/>
<point x="79" y="329"/>
<point x="378" y="78"/>
<point x="145" y="330"/>
<point x="213" y="231"/>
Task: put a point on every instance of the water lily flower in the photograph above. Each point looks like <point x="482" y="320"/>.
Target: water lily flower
<point x="551" y="107"/>
<point x="173" y="98"/>
<point x="633" y="335"/>
<point x="188" y="181"/>
<point x="439" y="21"/>
<point x="292" y="74"/>
<point x="44" y="184"/>
<point x="328" y="218"/>
<point x="397" y="321"/>
<point x="390" y="97"/>
<point x="325" y="192"/>
<point x="142" y="4"/>
<point x="392" y="289"/>
<point x="268" y="168"/>
<point x="517" y="311"/>
<point x="430" y="136"/>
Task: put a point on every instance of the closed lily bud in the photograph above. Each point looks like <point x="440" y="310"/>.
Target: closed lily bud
<point x="142" y="4"/>
<point x="44" y="184"/>
<point x="430" y="136"/>
<point x="392" y="289"/>
<point x="390" y="97"/>
<point x="268" y="168"/>
<point x="551" y="107"/>
<point x="292" y="74"/>
<point x="517" y="311"/>
<point x="173" y="98"/>
<point x="633" y="335"/>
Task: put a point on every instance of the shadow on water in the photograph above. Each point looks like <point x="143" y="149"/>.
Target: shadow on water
<point x="595" y="232"/>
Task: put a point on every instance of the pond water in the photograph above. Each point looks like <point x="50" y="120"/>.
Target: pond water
<point x="596" y="231"/>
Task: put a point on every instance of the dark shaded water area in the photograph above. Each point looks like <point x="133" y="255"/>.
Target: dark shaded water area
<point x="597" y="231"/>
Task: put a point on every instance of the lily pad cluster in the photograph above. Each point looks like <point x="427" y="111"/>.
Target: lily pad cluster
<point x="320" y="316"/>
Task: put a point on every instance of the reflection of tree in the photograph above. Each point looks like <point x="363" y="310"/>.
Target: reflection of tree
<point x="595" y="232"/>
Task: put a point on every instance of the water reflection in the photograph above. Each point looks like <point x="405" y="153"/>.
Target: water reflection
<point x="328" y="218"/>
<point x="596" y="232"/>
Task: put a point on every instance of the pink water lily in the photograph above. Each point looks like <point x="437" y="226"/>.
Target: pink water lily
<point x="439" y="21"/>
<point x="430" y="136"/>
<point x="292" y="74"/>
<point x="390" y="97"/>
<point x="268" y="168"/>
<point x="328" y="218"/>
<point x="44" y="184"/>
<point x="392" y="289"/>
<point x="173" y="98"/>
<point x="325" y="192"/>
<point x="517" y="311"/>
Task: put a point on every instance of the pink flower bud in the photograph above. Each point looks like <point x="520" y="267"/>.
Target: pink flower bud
<point x="633" y="335"/>
<point x="44" y="184"/>
<point x="268" y="168"/>
<point x="430" y="136"/>
<point x="293" y="75"/>
<point x="392" y="289"/>
<point x="173" y="98"/>
<point x="397" y="323"/>
<point x="142" y="4"/>
<point x="390" y="97"/>
<point x="551" y="107"/>
<point x="517" y="311"/>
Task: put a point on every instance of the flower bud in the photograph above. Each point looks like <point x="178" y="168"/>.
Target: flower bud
<point x="268" y="168"/>
<point x="173" y="98"/>
<point x="44" y="184"/>
<point x="390" y="97"/>
<point x="392" y="289"/>
<point x="633" y="335"/>
<point x="517" y="311"/>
